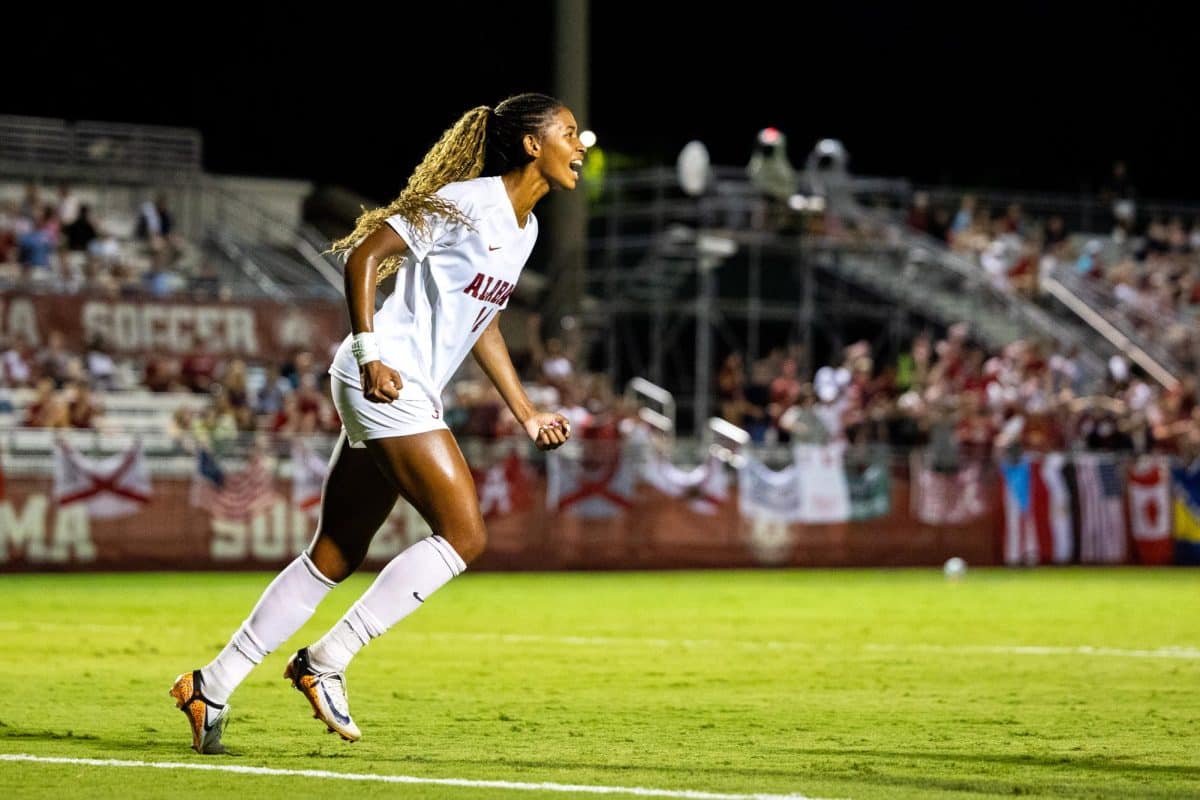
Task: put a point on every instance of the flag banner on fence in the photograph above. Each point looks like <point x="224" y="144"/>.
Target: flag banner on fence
<point x="769" y="501"/>
<point x="870" y="486"/>
<point x="592" y="479"/>
<point x="946" y="498"/>
<point x="1061" y="516"/>
<point x="1102" y="516"/>
<point x="824" y="494"/>
<point x="1020" y="529"/>
<point x="1187" y="513"/>
<point x="764" y="493"/>
<point x="232" y="495"/>
<point x="113" y="487"/>
<point x="1040" y="509"/>
<point x="504" y="487"/>
<point x="704" y="487"/>
<point x="1149" y="492"/>
<point x="308" y="477"/>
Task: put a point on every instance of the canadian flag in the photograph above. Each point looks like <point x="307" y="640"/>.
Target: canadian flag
<point x="308" y="477"/>
<point x="114" y="487"/>
<point x="1150" y="509"/>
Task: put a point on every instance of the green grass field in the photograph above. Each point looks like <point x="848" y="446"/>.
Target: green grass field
<point x="830" y="684"/>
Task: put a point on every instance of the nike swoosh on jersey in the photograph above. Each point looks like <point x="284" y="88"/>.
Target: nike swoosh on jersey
<point x="490" y="248"/>
<point x="419" y="598"/>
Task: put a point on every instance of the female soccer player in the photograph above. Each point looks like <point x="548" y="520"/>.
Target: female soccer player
<point x="457" y="237"/>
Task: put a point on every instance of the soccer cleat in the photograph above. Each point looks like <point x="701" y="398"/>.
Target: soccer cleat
<point x="326" y="693"/>
<point x="190" y="699"/>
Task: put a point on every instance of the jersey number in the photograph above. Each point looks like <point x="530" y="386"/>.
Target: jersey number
<point x="484" y="313"/>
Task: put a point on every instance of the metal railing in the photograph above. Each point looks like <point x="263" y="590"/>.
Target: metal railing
<point x="1099" y="308"/>
<point x="37" y="146"/>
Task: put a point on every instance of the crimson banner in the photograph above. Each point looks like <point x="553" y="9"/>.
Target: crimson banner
<point x="653" y="530"/>
<point x="246" y="329"/>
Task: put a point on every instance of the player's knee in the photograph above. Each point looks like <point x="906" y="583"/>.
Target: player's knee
<point x="334" y="560"/>
<point x="467" y="538"/>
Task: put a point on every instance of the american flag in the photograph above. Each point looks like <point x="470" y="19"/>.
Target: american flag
<point x="1102" y="518"/>
<point x="237" y="495"/>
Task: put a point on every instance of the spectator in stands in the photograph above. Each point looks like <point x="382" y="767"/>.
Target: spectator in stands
<point x="551" y="359"/>
<point x="217" y="428"/>
<point x="1055" y="236"/>
<point x="15" y="368"/>
<point x="101" y="369"/>
<point x="1118" y="193"/>
<point x="156" y="227"/>
<point x="55" y="361"/>
<point x="731" y="384"/>
<point x="82" y="409"/>
<point x="67" y="207"/>
<point x="939" y="224"/>
<point x="964" y="218"/>
<point x="303" y="364"/>
<point x="311" y="403"/>
<point x="31" y="203"/>
<point x="181" y="429"/>
<point x="286" y="420"/>
<point x="784" y="391"/>
<point x="801" y="423"/>
<point x="919" y="217"/>
<point x="234" y="382"/>
<point x="199" y="368"/>
<point x="1013" y="220"/>
<point x="158" y="281"/>
<point x="47" y="409"/>
<point x="80" y="232"/>
<point x="11" y="225"/>
<point x="163" y="374"/>
<point x="205" y="284"/>
<point x="36" y="247"/>
<point x="270" y="397"/>
<point x="756" y="398"/>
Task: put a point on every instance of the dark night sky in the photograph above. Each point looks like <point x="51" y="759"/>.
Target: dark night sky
<point x="1011" y="95"/>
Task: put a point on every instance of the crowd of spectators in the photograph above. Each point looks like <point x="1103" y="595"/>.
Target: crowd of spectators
<point x="289" y="396"/>
<point x="1139" y="266"/>
<point x="55" y="241"/>
<point x="959" y="400"/>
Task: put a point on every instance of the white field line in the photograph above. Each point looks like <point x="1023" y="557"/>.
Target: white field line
<point x="1183" y="653"/>
<point x="566" y="788"/>
<point x="1172" y="652"/>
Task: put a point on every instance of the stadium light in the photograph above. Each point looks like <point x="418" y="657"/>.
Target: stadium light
<point x="694" y="168"/>
<point x="588" y="138"/>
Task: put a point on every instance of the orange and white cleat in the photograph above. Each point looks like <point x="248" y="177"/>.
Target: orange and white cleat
<point x="326" y="693"/>
<point x="207" y="718"/>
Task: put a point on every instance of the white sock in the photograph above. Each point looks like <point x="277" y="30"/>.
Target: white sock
<point x="287" y="604"/>
<point x="404" y="584"/>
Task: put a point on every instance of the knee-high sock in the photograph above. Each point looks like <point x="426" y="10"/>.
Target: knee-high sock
<point x="287" y="604"/>
<point x="404" y="584"/>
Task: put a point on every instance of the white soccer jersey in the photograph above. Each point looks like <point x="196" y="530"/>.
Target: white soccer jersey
<point x="449" y="288"/>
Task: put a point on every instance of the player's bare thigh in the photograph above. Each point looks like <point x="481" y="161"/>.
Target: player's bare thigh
<point x="430" y="472"/>
<point x="355" y="501"/>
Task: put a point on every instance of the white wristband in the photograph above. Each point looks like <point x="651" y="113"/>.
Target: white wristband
<point x="365" y="348"/>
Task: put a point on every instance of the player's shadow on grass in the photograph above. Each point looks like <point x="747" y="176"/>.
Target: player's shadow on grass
<point x="885" y="768"/>
<point x="1087" y="763"/>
